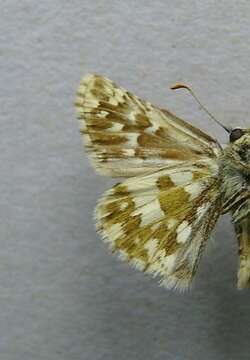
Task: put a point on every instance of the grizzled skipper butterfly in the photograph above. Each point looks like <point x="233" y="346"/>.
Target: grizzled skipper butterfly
<point x="178" y="182"/>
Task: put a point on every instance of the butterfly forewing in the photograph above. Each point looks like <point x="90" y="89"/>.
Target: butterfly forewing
<point x="127" y="136"/>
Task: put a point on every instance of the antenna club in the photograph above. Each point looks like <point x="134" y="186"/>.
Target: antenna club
<point x="179" y="86"/>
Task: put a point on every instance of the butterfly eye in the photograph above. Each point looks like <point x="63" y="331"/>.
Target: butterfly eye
<point x="235" y="134"/>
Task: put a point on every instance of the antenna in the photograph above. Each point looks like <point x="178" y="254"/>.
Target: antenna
<point x="183" y="86"/>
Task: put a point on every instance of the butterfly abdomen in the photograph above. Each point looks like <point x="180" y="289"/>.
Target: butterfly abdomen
<point x="242" y="229"/>
<point x="235" y="187"/>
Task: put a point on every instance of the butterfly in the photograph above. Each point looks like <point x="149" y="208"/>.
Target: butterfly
<point x="177" y="182"/>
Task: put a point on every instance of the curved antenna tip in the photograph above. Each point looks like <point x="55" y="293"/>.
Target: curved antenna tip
<point x="179" y="86"/>
<point x="184" y="86"/>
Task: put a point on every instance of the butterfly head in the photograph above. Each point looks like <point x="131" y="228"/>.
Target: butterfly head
<point x="240" y="145"/>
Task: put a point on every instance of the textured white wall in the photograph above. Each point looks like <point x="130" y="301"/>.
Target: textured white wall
<point x="62" y="295"/>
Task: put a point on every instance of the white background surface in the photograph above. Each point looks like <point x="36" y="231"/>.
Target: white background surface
<point x="62" y="295"/>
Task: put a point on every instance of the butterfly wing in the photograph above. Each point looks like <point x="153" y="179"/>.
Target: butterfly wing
<point x="160" y="217"/>
<point x="160" y="221"/>
<point x="127" y="136"/>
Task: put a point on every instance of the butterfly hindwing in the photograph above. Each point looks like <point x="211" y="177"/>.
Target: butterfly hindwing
<point x="160" y="222"/>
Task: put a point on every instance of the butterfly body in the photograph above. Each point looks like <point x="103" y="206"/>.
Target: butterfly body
<point x="235" y="187"/>
<point x="178" y="181"/>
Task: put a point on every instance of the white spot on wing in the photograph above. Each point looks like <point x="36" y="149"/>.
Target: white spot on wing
<point x="142" y="200"/>
<point x="132" y="116"/>
<point x="154" y="126"/>
<point x="150" y="212"/>
<point x="116" y="127"/>
<point x="113" y="232"/>
<point x="181" y="178"/>
<point x="162" y="264"/>
<point x="171" y="223"/>
<point x="194" y="189"/>
<point x="123" y="206"/>
<point x="183" y="232"/>
<point x="102" y="113"/>
<point x="132" y="139"/>
<point x="201" y="210"/>
<point x="138" y="264"/>
<point x="130" y="152"/>
<point x="151" y="247"/>
<point x="168" y="262"/>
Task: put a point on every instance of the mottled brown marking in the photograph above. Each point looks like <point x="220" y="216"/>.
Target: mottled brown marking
<point x="98" y="124"/>
<point x="103" y="138"/>
<point x="147" y="140"/>
<point x="131" y="128"/>
<point x="141" y="123"/>
<point x="116" y="215"/>
<point x="108" y="152"/>
<point x="133" y="243"/>
<point x="141" y="153"/>
<point x="120" y="110"/>
<point x="99" y="94"/>
<point x="140" y="254"/>
<point x="171" y="246"/>
<point x="106" y="106"/>
<point x="116" y="118"/>
<point x="167" y="240"/>
<point x="120" y="189"/>
<point x="164" y="182"/>
<point x="161" y="231"/>
<point x="113" y="210"/>
<point x="177" y="154"/>
<point x="172" y="201"/>
<point x="144" y="234"/>
<point x="127" y="245"/>
<point x="99" y="83"/>
<point x="191" y="215"/>
<point x="132" y="223"/>
<point x="197" y="175"/>
<point x="183" y="271"/>
<point x="161" y="132"/>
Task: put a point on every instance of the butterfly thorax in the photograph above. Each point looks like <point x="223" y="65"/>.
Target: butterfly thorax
<point x="235" y="177"/>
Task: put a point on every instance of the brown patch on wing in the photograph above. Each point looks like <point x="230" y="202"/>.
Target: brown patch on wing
<point x="183" y="271"/>
<point x="172" y="201"/>
<point x="197" y="175"/>
<point x="107" y="139"/>
<point x="164" y="182"/>
<point x="148" y="140"/>
<point x="141" y="123"/>
<point x="178" y="154"/>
